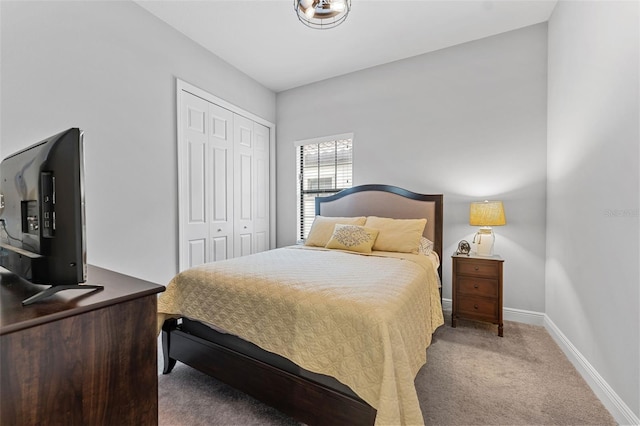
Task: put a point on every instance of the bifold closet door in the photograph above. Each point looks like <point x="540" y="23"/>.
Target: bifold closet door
<point x="221" y="166"/>
<point x="251" y="186"/>
<point x="224" y="183"/>
<point x="243" y="181"/>
<point x="193" y="198"/>
<point x="206" y="184"/>
<point x="261" y="187"/>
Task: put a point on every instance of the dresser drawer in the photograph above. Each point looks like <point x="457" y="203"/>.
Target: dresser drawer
<point x="478" y="307"/>
<point x="479" y="268"/>
<point x="478" y="286"/>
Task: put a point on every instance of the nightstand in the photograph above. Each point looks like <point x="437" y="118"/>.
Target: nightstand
<point x="477" y="289"/>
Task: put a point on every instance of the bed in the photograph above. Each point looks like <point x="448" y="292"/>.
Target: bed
<point x="301" y="330"/>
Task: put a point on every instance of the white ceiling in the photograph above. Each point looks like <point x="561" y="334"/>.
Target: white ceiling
<point x="265" y="40"/>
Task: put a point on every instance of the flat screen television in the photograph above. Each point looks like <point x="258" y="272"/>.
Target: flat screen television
<point x="42" y="214"/>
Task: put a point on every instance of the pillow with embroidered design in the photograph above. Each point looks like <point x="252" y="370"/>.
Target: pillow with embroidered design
<point x="352" y="238"/>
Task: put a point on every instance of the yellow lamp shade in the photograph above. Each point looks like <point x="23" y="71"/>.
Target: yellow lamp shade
<point x="487" y="213"/>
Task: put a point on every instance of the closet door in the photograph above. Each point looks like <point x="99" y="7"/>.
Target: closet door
<point x="221" y="166"/>
<point x="206" y="193"/>
<point x="194" y="188"/>
<point x="261" y="187"/>
<point x="251" y="186"/>
<point x="243" y="181"/>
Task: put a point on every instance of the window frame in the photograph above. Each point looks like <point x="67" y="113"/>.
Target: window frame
<point x="301" y="192"/>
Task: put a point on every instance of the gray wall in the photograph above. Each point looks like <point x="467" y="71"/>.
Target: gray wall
<point x="110" y="68"/>
<point x="592" y="284"/>
<point x="468" y="121"/>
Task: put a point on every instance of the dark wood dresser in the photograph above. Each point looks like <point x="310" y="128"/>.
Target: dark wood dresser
<point x="477" y="289"/>
<point x="80" y="357"/>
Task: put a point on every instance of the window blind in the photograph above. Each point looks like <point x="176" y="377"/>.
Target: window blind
<point x="324" y="168"/>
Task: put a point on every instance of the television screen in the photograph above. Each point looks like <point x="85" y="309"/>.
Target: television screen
<point x="42" y="214"/>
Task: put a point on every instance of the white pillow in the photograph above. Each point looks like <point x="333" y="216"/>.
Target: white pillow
<point x="425" y="247"/>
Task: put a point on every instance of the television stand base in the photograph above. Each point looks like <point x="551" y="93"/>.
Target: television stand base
<point x="56" y="288"/>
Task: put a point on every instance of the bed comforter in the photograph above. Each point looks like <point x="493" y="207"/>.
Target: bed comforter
<point x="364" y="319"/>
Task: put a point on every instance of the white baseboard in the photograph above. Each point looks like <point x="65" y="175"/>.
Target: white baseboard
<point x="447" y="304"/>
<point x="618" y="409"/>
<point x="526" y="317"/>
<point x="616" y="406"/>
<point x="510" y="314"/>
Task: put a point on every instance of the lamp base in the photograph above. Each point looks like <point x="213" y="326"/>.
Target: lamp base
<point x="483" y="241"/>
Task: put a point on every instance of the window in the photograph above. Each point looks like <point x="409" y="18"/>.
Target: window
<point x="325" y="166"/>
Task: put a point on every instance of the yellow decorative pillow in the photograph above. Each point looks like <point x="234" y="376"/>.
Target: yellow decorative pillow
<point x="322" y="228"/>
<point x="399" y="235"/>
<point x="352" y="238"/>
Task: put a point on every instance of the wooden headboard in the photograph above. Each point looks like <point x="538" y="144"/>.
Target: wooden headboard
<point x="388" y="201"/>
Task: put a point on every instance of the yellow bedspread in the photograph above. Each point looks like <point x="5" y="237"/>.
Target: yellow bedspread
<point x="363" y="319"/>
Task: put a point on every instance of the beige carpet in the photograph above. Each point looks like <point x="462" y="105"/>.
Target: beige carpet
<point x="472" y="377"/>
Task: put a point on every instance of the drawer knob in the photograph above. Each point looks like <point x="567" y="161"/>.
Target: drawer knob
<point x="475" y="286"/>
<point x="476" y="268"/>
<point x="475" y="306"/>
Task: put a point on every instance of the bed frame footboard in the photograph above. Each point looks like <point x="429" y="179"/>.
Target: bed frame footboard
<point x="303" y="399"/>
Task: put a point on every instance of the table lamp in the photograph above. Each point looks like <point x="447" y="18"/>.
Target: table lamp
<point x="486" y="214"/>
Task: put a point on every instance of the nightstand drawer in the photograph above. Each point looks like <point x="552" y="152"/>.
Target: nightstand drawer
<point x="478" y="287"/>
<point x="479" y="268"/>
<point x="478" y="307"/>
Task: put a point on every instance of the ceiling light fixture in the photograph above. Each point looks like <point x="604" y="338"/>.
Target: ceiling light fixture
<point x="322" y="14"/>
